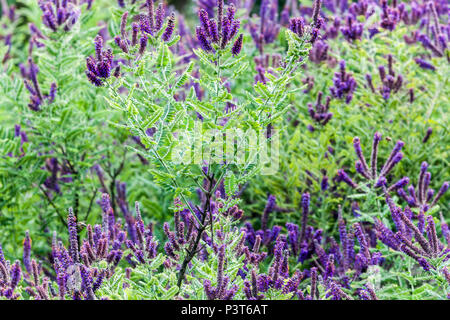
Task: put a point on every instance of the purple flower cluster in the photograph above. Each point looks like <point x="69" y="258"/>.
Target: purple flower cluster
<point x="268" y="28"/>
<point x="344" y="84"/>
<point x="76" y="268"/>
<point x="410" y="239"/>
<point x="59" y="172"/>
<point x="22" y="135"/>
<point x="277" y="276"/>
<point x="150" y="25"/>
<point x="436" y="35"/>
<point x="320" y="112"/>
<point x="378" y="177"/>
<point x="220" y="291"/>
<point x="422" y="197"/>
<point x="319" y="52"/>
<point x="389" y="82"/>
<point x="390" y="16"/>
<point x="32" y="85"/>
<point x="353" y="29"/>
<point x="219" y="33"/>
<point x="99" y="67"/>
<point x="56" y="14"/>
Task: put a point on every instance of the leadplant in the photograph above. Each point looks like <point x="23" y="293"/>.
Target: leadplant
<point x="272" y="150"/>
<point x="153" y="77"/>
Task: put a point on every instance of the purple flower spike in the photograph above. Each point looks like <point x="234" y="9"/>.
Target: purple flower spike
<point x="142" y="44"/>
<point x="27" y="252"/>
<point x="374" y="155"/>
<point x="297" y="26"/>
<point x="52" y="93"/>
<point x="204" y="22"/>
<point x="424" y="64"/>
<point x="170" y="27"/>
<point x="73" y="236"/>
<point x="352" y="30"/>
<point x="100" y="67"/>
<point x="204" y="43"/>
<point x="16" y="275"/>
<point x="403" y="182"/>
<point x="214" y="33"/>
<point x="159" y="17"/>
<point x="98" y="41"/>
<point x="305" y="210"/>
<point x="394" y="158"/>
<point x="427" y="135"/>
<point x="344" y="84"/>
<point x="364" y="169"/>
<point x="343" y="176"/>
<point x="237" y="46"/>
<point x="440" y="193"/>
<point x="316" y="11"/>
<point x="324" y="183"/>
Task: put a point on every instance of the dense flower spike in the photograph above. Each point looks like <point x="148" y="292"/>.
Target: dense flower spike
<point x="237" y="46"/>
<point x="73" y="236"/>
<point x="204" y="42"/>
<point x="27" y="252"/>
<point x="170" y="27"/>
<point x="99" y="68"/>
<point x="343" y="84"/>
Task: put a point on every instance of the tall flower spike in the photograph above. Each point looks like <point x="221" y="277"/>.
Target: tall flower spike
<point x="170" y="27"/>
<point x="27" y="252"/>
<point x="213" y="31"/>
<point x="226" y="26"/>
<point x="358" y="150"/>
<point x="374" y="155"/>
<point x="134" y="33"/>
<point x="16" y="275"/>
<point x="316" y="11"/>
<point x="204" y="22"/>
<point x="73" y="236"/>
<point x="98" y="41"/>
<point x="204" y="42"/>
<point x="393" y="159"/>
<point x="440" y="193"/>
<point x="220" y="4"/>
<point x="142" y="44"/>
<point x="159" y="17"/>
<point x="360" y="236"/>
<point x="421" y="191"/>
<point x="305" y="210"/>
<point x="344" y="84"/>
<point x="150" y="10"/>
<point x="314" y="292"/>
<point x="123" y="24"/>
